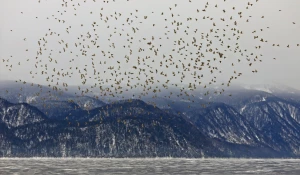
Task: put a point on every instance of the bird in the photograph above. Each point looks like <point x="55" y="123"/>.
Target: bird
<point x="180" y="50"/>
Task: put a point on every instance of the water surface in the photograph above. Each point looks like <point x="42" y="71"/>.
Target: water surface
<point x="148" y="166"/>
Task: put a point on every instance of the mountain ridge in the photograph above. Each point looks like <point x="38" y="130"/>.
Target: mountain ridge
<point x="250" y="123"/>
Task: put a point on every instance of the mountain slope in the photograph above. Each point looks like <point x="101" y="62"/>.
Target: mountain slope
<point x="5" y="141"/>
<point x="14" y="115"/>
<point x="129" y="138"/>
<point x="224" y="122"/>
<point x="274" y="119"/>
<point x="61" y="110"/>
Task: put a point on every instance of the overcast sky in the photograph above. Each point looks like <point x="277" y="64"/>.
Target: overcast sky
<point x="28" y="19"/>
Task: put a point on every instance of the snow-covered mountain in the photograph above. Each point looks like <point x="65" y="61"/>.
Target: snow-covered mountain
<point x="139" y="135"/>
<point x="249" y="123"/>
<point x="124" y="136"/>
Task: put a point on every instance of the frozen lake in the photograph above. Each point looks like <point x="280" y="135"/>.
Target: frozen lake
<point x="148" y="166"/>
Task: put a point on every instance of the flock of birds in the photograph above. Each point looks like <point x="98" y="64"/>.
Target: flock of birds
<point x="177" y="53"/>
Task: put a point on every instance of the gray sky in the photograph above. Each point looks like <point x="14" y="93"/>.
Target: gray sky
<point x="284" y="70"/>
